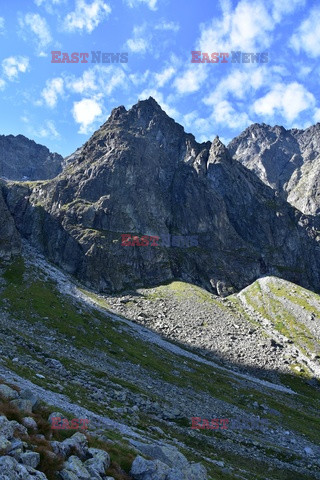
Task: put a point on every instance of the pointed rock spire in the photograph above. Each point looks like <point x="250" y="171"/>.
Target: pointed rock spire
<point x="218" y="152"/>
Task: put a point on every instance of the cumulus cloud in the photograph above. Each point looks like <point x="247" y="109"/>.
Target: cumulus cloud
<point x="86" y="112"/>
<point x="12" y="66"/>
<point x="152" y="4"/>
<point x="224" y="113"/>
<point x="137" y="45"/>
<point x="86" y="16"/>
<point x="38" y="26"/>
<point x="285" y="7"/>
<point x="307" y="36"/>
<point x="286" y="100"/>
<point x="162" y="78"/>
<point x="192" y="79"/>
<point x="140" y="41"/>
<point x="2" y="84"/>
<point x="316" y="115"/>
<point x="237" y="84"/>
<point x="52" y="90"/>
<point x="99" y="79"/>
<point x="246" y="28"/>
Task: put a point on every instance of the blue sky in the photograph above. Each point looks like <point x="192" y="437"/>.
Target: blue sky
<point x="61" y="105"/>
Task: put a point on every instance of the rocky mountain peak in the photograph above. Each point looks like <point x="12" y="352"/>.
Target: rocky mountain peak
<point x="286" y="160"/>
<point x="24" y="159"/>
<point x="218" y="152"/>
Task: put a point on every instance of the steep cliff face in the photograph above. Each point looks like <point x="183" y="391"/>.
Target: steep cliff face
<point x="286" y="160"/>
<point x="23" y="159"/>
<point x="10" y="241"/>
<point x="141" y="174"/>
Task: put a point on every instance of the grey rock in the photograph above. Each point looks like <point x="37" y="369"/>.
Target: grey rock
<point x="74" y="465"/>
<point x="68" y="475"/>
<point x="198" y="187"/>
<point x="165" y="453"/>
<point x="8" y="393"/>
<point x="11" y="470"/>
<point x="77" y="443"/>
<point x="101" y="456"/>
<point x="143" y="469"/>
<point x="308" y="451"/>
<point x="23" y="159"/>
<point x="8" y="428"/>
<point x="10" y="241"/>
<point x="286" y="160"/>
<point x="5" y="445"/>
<point x="32" y="459"/>
<point x="22" y="404"/>
<point x="28" y="394"/>
<point x="29" y="422"/>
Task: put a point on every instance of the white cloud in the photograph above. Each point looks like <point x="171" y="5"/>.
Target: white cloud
<point x="152" y="4"/>
<point x="285" y="7"/>
<point x="238" y="83"/>
<point x="86" y="112"/>
<point x="162" y="78"/>
<point x="307" y="36"/>
<point x="173" y="26"/>
<point x="47" y="130"/>
<point x="86" y="16"/>
<point x="316" y="116"/>
<point x="139" y="78"/>
<point x="84" y="84"/>
<point x="98" y="79"/>
<point x="2" y="84"/>
<point x="224" y="113"/>
<point x="246" y="28"/>
<point x="137" y="45"/>
<point x="51" y="92"/>
<point x="140" y="41"/>
<point x="39" y="27"/>
<point x="12" y="66"/>
<point x="1" y="25"/>
<point x="286" y="100"/>
<point x="192" y="79"/>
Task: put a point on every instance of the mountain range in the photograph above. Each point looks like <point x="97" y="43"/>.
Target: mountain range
<point x="141" y="174"/>
<point x="144" y="342"/>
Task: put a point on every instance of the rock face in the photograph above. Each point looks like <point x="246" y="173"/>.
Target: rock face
<point x="9" y="236"/>
<point x="286" y="160"/>
<point x="23" y="159"/>
<point x="141" y="174"/>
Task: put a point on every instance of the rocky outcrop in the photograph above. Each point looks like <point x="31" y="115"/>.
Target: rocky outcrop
<point x="167" y="464"/>
<point x="141" y="174"/>
<point x="9" y="236"/>
<point x="23" y="159"/>
<point x="286" y="160"/>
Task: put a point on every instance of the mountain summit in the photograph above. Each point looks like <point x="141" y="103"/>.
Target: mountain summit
<point x="142" y="174"/>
